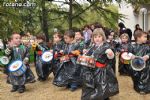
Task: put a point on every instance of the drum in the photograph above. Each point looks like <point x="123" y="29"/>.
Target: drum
<point x="138" y="64"/>
<point x="47" y="56"/>
<point x="65" y="58"/>
<point x="125" y="58"/>
<point x="17" y="68"/>
<point x="86" y="61"/>
<point x="4" y="60"/>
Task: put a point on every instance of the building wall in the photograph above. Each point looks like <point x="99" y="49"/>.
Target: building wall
<point x="132" y="19"/>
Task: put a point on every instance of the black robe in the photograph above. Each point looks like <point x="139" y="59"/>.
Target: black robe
<point x="55" y="62"/>
<point x="124" y="69"/>
<point x="99" y="83"/>
<point x="68" y="72"/>
<point x="114" y="45"/>
<point x="43" y="69"/>
<point x="141" y="79"/>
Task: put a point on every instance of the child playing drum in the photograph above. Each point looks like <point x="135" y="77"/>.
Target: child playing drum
<point x="141" y="79"/>
<point x="67" y="74"/>
<point x="43" y="69"/>
<point x="110" y="39"/>
<point x="57" y="46"/>
<point x="124" y="46"/>
<point x="99" y="81"/>
<point x="15" y="51"/>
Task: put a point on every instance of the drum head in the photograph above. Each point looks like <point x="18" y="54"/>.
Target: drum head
<point x="47" y="56"/>
<point x="4" y="60"/>
<point x="138" y="64"/>
<point x="14" y="66"/>
<point x="126" y="56"/>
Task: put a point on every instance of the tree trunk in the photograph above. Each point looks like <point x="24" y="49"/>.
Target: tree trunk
<point x="44" y="21"/>
<point x="70" y="14"/>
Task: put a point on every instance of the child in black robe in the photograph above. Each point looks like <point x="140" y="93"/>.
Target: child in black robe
<point x="43" y="69"/>
<point x="99" y="82"/>
<point x="114" y="45"/>
<point x="57" y="46"/>
<point x="124" y="46"/>
<point x="141" y="79"/>
<point x="67" y="74"/>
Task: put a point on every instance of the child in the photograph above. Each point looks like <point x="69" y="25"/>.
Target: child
<point x="43" y="69"/>
<point x="114" y="45"/>
<point x="67" y="74"/>
<point x="141" y="79"/>
<point x="16" y="51"/>
<point x="57" y="46"/>
<point x="124" y="46"/>
<point x="99" y="82"/>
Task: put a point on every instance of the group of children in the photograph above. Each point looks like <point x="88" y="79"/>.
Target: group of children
<point x="97" y="82"/>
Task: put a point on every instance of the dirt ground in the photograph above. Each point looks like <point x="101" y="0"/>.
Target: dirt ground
<point x="47" y="91"/>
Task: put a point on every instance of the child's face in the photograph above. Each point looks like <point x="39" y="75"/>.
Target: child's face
<point x="124" y="39"/>
<point x="78" y="36"/>
<point x="142" y="39"/>
<point x="67" y="39"/>
<point x="16" y="39"/>
<point x="98" y="39"/>
<point x="56" y="39"/>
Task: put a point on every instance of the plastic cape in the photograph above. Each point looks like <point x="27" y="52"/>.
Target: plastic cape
<point x="141" y="79"/>
<point x="99" y="83"/>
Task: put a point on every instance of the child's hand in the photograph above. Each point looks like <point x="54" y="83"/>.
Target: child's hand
<point x="85" y="51"/>
<point x="133" y="57"/>
<point x="61" y="51"/>
<point x="145" y="58"/>
<point x="122" y="50"/>
<point x="26" y="60"/>
<point x="51" y="51"/>
<point x="117" y="53"/>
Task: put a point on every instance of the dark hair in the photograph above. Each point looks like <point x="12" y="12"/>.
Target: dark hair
<point x="41" y="36"/>
<point x="14" y="34"/>
<point x="138" y="34"/>
<point x="58" y="34"/>
<point x="69" y="33"/>
<point x="121" y="25"/>
<point x="79" y="32"/>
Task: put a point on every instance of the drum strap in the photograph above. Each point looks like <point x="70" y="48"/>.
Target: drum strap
<point x="100" y="65"/>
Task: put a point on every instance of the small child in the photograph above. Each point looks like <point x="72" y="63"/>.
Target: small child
<point x="57" y="46"/>
<point x="67" y="74"/>
<point x="17" y="51"/>
<point x="43" y="69"/>
<point x="124" y="46"/>
<point x="141" y="79"/>
<point x="114" y="44"/>
<point x="99" y="81"/>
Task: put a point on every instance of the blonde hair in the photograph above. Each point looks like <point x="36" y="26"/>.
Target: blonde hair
<point x="100" y="32"/>
<point x="124" y="35"/>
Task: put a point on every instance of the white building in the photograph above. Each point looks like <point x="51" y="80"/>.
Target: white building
<point x="135" y="17"/>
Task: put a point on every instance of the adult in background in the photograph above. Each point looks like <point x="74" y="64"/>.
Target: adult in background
<point x="123" y="29"/>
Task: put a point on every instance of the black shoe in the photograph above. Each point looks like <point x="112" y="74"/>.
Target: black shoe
<point x="21" y="90"/>
<point x="107" y="99"/>
<point x="72" y="89"/>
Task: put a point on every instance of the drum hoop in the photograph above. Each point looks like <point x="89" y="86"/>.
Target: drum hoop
<point x="5" y="57"/>
<point x="122" y="56"/>
<point x="43" y="53"/>
<point x="139" y="69"/>
<point x="12" y="63"/>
